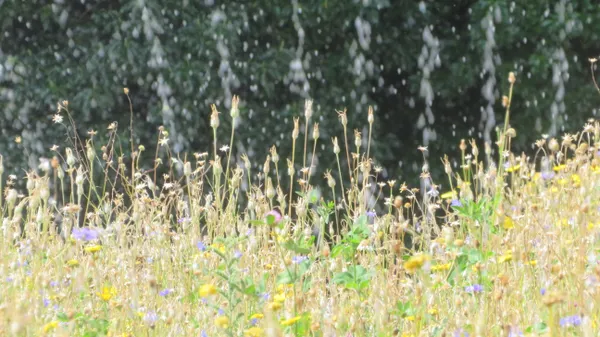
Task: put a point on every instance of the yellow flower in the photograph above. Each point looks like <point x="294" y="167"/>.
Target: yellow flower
<point x="93" y="249"/>
<point x="290" y="321"/>
<point x="576" y="180"/>
<point x="449" y="195"/>
<point x="279" y="298"/>
<point x="50" y="326"/>
<point x="410" y="318"/>
<point x="433" y="311"/>
<point x="513" y="168"/>
<point x="268" y="266"/>
<point x="254" y="332"/>
<point x="275" y="306"/>
<point x="107" y="293"/>
<point x="72" y="263"/>
<point x="533" y="263"/>
<point x="219" y="246"/>
<point x="257" y="316"/>
<point x="222" y="322"/>
<point x="207" y="290"/>
<point x="508" y="223"/>
<point x="415" y="262"/>
<point x="441" y="267"/>
<point x="559" y="167"/>
<point x="505" y="258"/>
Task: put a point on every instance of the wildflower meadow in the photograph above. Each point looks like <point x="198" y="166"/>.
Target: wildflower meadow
<point x="95" y="243"/>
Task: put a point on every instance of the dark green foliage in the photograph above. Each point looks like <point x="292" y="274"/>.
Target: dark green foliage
<point x="178" y="57"/>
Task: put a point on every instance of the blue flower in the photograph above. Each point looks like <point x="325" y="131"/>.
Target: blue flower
<point x="569" y="321"/>
<point x="254" y="321"/>
<point x="299" y="259"/>
<point x="515" y="332"/>
<point x="201" y="246"/>
<point x="151" y="317"/>
<point x="84" y="234"/>
<point x="455" y="203"/>
<point x="165" y="292"/>
<point x="203" y="334"/>
<point x="460" y="333"/>
<point x="476" y="288"/>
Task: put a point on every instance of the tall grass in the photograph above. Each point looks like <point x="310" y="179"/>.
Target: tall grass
<point x="97" y="245"/>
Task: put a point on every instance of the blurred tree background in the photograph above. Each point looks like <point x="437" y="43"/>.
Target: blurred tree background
<point x="434" y="71"/>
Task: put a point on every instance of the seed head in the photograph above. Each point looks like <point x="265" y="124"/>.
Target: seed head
<point x="296" y="130"/>
<point x="235" y="111"/>
<point x="214" y="117"/>
<point x="308" y="109"/>
<point x="274" y="154"/>
<point x="357" y="139"/>
<point x="316" y="131"/>
<point x="343" y="118"/>
<point x="370" y="117"/>
<point x="511" y="77"/>
<point x="336" y="147"/>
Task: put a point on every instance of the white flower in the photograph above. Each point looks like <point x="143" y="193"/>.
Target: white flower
<point x="57" y="118"/>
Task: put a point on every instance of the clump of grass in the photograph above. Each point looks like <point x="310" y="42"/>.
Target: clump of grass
<point x="98" y="245"/>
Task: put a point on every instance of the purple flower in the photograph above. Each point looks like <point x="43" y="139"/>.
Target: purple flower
<point x="371" y="214"/>
<point x="569" y="321"/>
<point x="165" y="292"/>
<point x="276" y="216"/>
<point x="151" y="317"/>
<point x="237" y="254"/>
<point x="476" y="288"/>
<point x="514" y="332"/>
<point x="299" y="259"/>
<point x="203" y="334"/>
<point x="547" y="175"/>
<point x="221" y="312"/>
<point x="54" y="284"/>
<point x="265" y="296"/>
<point x="543" y="291"/>
<point x="46" y="302"/>
<point x="254" y="321"/>
<point x="184" y="219"/>
<point x="84" y="234"/>
<point x="460" y="333"/>
<point x="201" y="246"/>
<point x="455" y="203"/>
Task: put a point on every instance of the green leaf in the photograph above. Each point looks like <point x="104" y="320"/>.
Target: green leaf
<point x="293" y="246"/>
<point x="286" y="277"/>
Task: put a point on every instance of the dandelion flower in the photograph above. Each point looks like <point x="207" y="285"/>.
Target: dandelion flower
<point x="207" y="290"/>
<point x="222" y="322"/>
<point x="290" y="321"/>
<point x="254" y="332"/>
<point x="107" y="293"/>
<point x="50" y="326"/>
<point x="275" y="306"/>
<point x="415" y="262"/>
<point x="93" y="249"/>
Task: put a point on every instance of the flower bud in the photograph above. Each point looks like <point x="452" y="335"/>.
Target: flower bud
<point x="70" y="157"/>
<point x="214" y="117"/>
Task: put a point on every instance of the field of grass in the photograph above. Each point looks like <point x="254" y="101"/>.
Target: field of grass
<point x="507" y="246"/>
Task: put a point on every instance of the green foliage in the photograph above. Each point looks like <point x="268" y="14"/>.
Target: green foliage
<point x="178" y="57"/>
